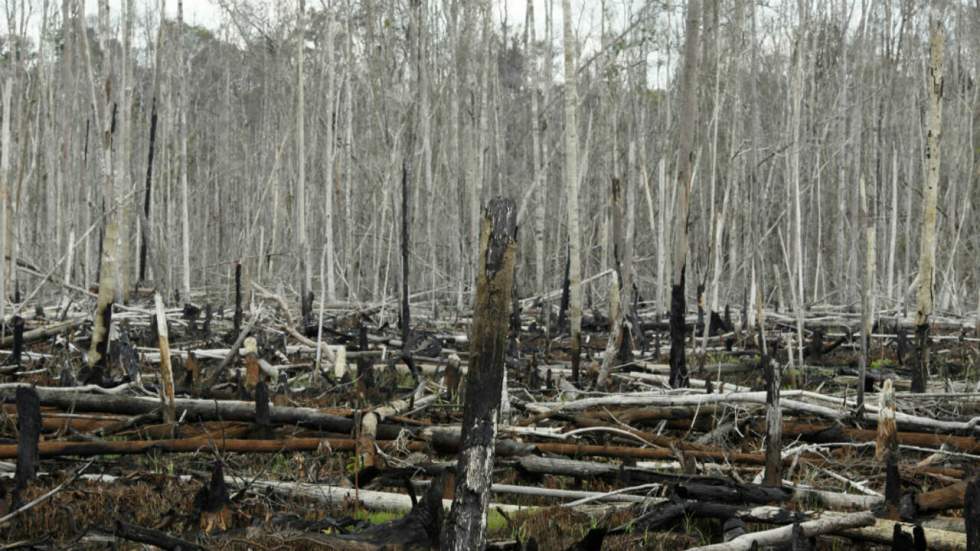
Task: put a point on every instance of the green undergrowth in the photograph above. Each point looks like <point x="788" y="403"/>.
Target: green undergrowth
<point x="495" y="523"/>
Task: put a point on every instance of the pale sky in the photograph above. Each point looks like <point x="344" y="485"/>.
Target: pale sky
<point x="587" y="15"/>
<point x="209" y="14"/>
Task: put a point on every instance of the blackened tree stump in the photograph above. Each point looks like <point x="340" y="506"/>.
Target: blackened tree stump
<point x="467" y="523"/>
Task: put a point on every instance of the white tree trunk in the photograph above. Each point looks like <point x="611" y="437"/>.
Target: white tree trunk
<point x="930" y="193"/>
<point x="571" y="188"/>
<point x="5" y="147"/>
<point x="124" y="182"/>
<point x="182" y="104"/>
<point x="867" y="288"/>
<point x="328" y="165"/>
<point x="304" y="250"/>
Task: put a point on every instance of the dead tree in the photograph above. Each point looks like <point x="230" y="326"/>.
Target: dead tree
<point x="467" y="523"/>
<point x="572" y="188"/>
<point x="971" y="514"/>
<point x="687" y="122"/>
<point x="167" y="395"/>
<point x="406" y="315"/>
<point x="29" y="434"/>
<point x="774" y="423"/>
<point x="930" y="193"/>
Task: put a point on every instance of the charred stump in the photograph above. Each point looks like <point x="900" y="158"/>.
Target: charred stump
<point x="678" y="365"/>
<point x="467" y="523"/>
<point x="29" y="434"/>
<point x="920" y="366"/>
<point x="18" y="347"/>
<point x="238" y="299"/>
<point x="774" y="424"/>
<point x="971" y="514"/>
<point x="212" y="502"/>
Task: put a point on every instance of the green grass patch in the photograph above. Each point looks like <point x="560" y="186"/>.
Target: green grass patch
<point x="882" y="363"/>
<point x="495" y="522"/>
<point x="377" y="517"/>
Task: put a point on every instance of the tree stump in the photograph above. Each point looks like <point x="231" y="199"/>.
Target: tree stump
<point x="467" y="523"/>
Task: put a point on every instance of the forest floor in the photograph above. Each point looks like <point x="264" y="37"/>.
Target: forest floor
<point x="344" y="453"/>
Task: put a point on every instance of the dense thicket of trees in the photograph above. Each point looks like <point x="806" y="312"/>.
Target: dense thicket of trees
<point x="796" y="103"/>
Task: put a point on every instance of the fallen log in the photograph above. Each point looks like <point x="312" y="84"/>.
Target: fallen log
<point x="150" y="536"/>
<point x="58" y="448"/>
<point x="636" y="475"/>
<point x="335" y="495"/>
<point x="941" y="499"/>
<point x="205" y="410"/>
<point x="840" y="433"/>
<point x="659" y="399"/>
<point x="419" y="529"/>
<point x="882" y="531"/>
<point x="45" y="332"/>
<point x="784" y="534"/>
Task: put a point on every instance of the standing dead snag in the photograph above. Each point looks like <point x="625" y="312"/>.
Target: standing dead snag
<point x="238" y="298"/>
<point x="774" y="423"/>
<point x="619" y="348"/>
<point x="971" y="514"/>
<point x="29" y="433"/>
<point x="211" y="502"/>
<point x="886" y="449"/>
<point x="166" y="372"/>
<point x="18" y="348"/>
<point x="930" y="193"/>
<point x="406" y="316"/>
<point x="467" y="523"/>
<point x="571" y="190"/>
<point x="687" y="123"/>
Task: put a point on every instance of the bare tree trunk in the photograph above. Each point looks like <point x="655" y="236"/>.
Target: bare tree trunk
<point x="538" y="174"/>
<point x="687" y="122"/>
<point x="147" y="233"/>
<point x="662" y="257"/>
<point x="304" y="249"/>
<point x="571" y="190"/>
<point x="103" y="111"/>
<point x="182" y="104"/>
<point x="349" y="150"/>
<point x="617" y="287"/>
<point x="466" y="525"/>
<point x="328" y="165"/>
<point x="796" y="100"/>
<point x="124" y="170"/>
<point x="5" y="145"/>
<point x="867" y="288"/>
<point x="166" y="372"/>
<point x="893" y="225"/>
<point x="930" y="193"/>
<point x="773" y="378"/>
